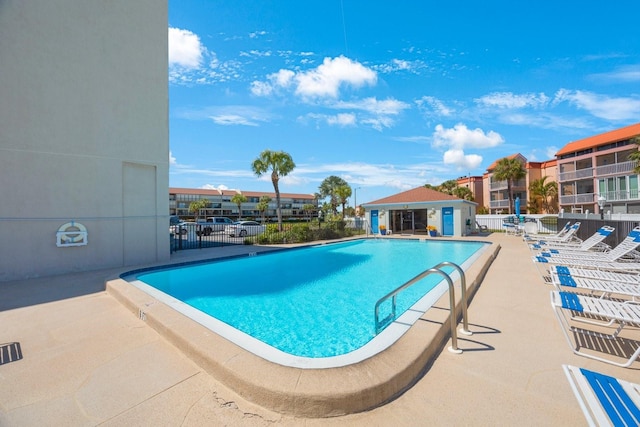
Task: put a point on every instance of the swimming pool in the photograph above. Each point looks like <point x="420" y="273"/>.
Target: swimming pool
<point x="309" y="307"/>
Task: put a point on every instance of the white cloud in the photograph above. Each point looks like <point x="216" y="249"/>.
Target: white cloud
<point x="320" y="82"/>
<point x="172" y="160"/>
<point x="433" y="106"/>
<point x="214" y="187"/>
<point x="456" y="139"/>
<point x="185" y="49"/>
<point x="461" y="137"/>
<point x="457" y="158"/>
<point x="602" y="106"/>
<point x="343" y="119"/>
<point x="232" y="119"/>
<point x="512" y="101"/>
<point x="628" y="73"/>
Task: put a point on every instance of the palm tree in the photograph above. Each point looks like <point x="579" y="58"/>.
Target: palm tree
<point x="343" y="193"/>
<point x="545" y="192"/>
<point x="239" y="199"/>
<point x="463" y="193"/>
<point x="263" y="205"/>
<point x="329" y="187"/>
<point x="448" y="187"/>
<point x="280" y="164"/>
<point x="308" y="209"/>
<point x="635" y="156"/>
<point x="194" y="207"/>
<point x="509" y="170"/>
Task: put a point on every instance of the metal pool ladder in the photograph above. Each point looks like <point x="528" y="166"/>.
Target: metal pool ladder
<point x="452" y="302"/>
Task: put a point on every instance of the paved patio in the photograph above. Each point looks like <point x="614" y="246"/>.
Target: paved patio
<point x="87" y="360"/>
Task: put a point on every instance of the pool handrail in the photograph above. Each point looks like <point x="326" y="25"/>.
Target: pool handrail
<point x="463" y="297"/>
<point x="452" y="302"/>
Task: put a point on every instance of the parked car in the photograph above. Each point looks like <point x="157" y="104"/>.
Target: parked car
<point x="179" y="228"/>
<point x="214" y="223"/>
<point x="245" y="228"/>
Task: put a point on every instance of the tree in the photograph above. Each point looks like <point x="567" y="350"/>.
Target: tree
<point x="343" y="193"/>
<point x="239" y="199"/>
<point x="545" y="194"/>
<point x="263" y="205"/>
<point x="329" y="187"/>
<point x="463" y="193"/>
<point x="509" y="170"/>
<point x="308" y="209"/>
<point x="280" y="164"/>
<point x="448" y="187"/>
<point x="194" y="207"/>
<point x="635" y="156"/>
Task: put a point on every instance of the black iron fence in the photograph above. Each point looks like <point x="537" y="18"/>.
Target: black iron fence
<point x="203" y="235"/>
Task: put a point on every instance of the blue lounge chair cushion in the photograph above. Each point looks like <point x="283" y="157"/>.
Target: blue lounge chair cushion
<point x="570" y="301"/>
<point x="563" y="270"/>
<point x="541" y="259"/>
<point x="614" y="399"/>
<point x="566" y="280"/>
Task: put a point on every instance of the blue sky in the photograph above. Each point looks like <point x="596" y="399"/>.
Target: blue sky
<point x="391" y="95"/>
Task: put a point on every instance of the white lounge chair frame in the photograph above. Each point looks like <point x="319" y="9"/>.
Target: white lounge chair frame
<point x="558" y="235"/>
<point x="567" y="236"/>
<point x="594" y="242"/>
<point x="622" y="313"/>
<point x="610" y="276"/>
<point x="604" y="400"/>
<point x="603" y="287"/>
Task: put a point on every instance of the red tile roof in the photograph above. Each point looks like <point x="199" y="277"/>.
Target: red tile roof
<point x="420" y="194"/>
<point x="216" y="192"/>
<point x="513" y="156"/>
<point x="601" y="139"/>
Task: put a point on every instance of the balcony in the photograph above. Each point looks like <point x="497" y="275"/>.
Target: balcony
<point x="575" y="175"/>
<point x="497" y="204"/>
<point x="623" y="168"/>
<point x="624" y="195"/>
<point x="578" y="199"/>
<point x="502" y="185"/>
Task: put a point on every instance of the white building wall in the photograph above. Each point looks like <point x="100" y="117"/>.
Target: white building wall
<point x="83" y="134"/>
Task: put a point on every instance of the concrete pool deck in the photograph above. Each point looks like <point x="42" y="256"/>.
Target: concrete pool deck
<point x="87" y="360"/>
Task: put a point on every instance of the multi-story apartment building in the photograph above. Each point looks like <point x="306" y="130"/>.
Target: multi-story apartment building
<point x="596" y="174"/>
<point x="474" y="184"/>
<point x="497" y="193"/>
<point x="220" y="204"/>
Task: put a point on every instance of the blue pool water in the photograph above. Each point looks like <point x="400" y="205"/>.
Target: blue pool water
<point x="312" y="302"/>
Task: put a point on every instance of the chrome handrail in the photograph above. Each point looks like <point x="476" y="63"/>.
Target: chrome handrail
<point x="452" y="302"/>
<point x="463" y="295"/>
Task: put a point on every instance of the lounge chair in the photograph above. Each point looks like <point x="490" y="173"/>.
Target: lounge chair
<point x="565" y="236"/>
<point x="622" y="250"/>
<point x="595" y="242"/>
<point x="611" y="276"/>
<point x="565" y="304"/>
<point x="604" y="400"/>
<point x="481" y="227"/>
<point x="558" y="235"/>
<point x="605" y="288"/>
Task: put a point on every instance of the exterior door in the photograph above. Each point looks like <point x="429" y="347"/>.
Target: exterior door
<point x="447" y="221"/>
<point x="374" y="221"/>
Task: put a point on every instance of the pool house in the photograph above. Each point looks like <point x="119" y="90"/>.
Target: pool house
<point x="412" y="211"/>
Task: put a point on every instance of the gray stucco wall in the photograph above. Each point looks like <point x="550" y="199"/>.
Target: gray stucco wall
<point x="83" y="134"/>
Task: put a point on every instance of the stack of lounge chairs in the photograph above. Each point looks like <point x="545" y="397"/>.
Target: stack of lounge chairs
<point x="596" y="298"/>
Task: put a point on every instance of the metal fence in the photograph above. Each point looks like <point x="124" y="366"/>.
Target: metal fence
<point x="199" y="236"/>
<point x="537" y="224"/>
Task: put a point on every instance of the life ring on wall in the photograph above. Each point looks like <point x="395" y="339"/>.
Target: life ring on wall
<point x="64" y="232"/>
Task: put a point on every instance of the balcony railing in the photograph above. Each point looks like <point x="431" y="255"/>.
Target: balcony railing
<point x="575" y="175"/>
<point x="502" y="185"/>
<point x="578" y="199"/>
<point x="611" y="196"/>
<point x="494" y="204"/>
<point x="616" y="169"/>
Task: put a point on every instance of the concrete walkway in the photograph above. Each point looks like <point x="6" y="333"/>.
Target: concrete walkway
<point x="86" y="360"/>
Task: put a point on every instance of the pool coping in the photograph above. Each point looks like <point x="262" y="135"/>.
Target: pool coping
<point x="313" y="393"/>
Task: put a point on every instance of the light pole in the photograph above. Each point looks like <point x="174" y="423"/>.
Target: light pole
<point x="355" y="201"/>
<point x="601" y="202"/>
